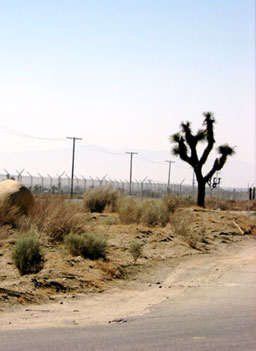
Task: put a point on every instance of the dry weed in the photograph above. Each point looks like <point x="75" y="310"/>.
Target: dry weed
<point x="111" y="269"/>
<point x="56" y="217"/>
<point x="10" y="215"/>
<point x="171" y="202"/>
<point x="230" y="205"/>
<point x="129" y="210"/>
<point x="98" y="199"/>
<point x="150" y="212"/>
<point x="154" y="212"/>
<point x="182" y="226"/>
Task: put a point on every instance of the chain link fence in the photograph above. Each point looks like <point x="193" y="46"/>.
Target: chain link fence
<point x="61" y="184"/>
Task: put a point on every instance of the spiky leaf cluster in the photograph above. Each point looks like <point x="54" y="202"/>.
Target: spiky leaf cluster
<point x="185" y="144"/>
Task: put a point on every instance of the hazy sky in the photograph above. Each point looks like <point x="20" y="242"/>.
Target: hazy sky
<point x="123" y="75"/>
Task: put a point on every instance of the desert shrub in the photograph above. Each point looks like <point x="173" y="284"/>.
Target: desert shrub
<point x="57" y="217"/>
<point x="171" y="202"/>
<point x="223" y="205"/>
<point x="109" y="221"/>
<point x="148" y="211"/>
<point x="10" y="215"/>
<point x="182" y="226"/>
<point x="187" y="202"/>
<point x="154" y="212"/>
<point x="96" y="200"/>
<point x="87" y="245"/>
<point x="136" y="249"/>
<point x="129" y="210"/>
<point x="27" y="254"/>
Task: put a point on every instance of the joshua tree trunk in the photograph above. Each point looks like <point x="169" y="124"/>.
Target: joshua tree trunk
<point x="201" y="193"/>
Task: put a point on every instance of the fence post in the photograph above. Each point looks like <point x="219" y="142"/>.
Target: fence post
<point x="249" y="194"/>
<point x="141" y="185"/>
<point x="42" y="182"/>
<point x="181" y="187"/>
<point x="7" y="174"/>
<point x="59" y="181"/>
<point x="77" y="185"/>
<point x="31" y="181"/>
<point x="122" y="185"/>
<point x="84" y="182"/>
<point x="101" y="180"/>
<point x="68" y="178"/>
<point x="50" y="183"/>
<point x="20" y="175"/>
<point x="92" y="182"/>
<point x="112" y="182"/>
<point x="117" y="183"/>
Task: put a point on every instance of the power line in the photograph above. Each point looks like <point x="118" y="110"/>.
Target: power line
<point x="14" y="132"/>
<point x="151" y="161"/>
<point x="101" y="150"/>
<point x="105" y="151"/>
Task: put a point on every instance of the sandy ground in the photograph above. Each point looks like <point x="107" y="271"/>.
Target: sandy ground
<point x="134" y="297"/>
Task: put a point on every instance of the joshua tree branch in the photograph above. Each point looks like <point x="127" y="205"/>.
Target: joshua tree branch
<point x="206" y="152"/>
<point x="209" y="122"/>
<point x="191" y="140"/>
<point x="183" y="152"/>
<point x="218" y="164"/>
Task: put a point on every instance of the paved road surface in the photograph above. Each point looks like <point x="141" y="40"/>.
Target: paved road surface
<point x="216" y="317"/>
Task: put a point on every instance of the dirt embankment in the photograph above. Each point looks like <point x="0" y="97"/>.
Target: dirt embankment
<point x="74" y="291"/>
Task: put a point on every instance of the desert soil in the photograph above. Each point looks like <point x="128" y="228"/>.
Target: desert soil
<point x="73" y="291"/>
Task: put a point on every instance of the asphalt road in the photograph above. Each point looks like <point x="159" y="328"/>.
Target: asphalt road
<point x="216" y="317"/>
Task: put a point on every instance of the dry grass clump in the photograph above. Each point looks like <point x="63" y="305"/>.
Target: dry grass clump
<point x="129" y="210"/>
<point x="182" y="226"/>
<point x="109" y="221"/>
<point x="87" y="245"/>
<point x="253" y="205"/>
<point x="150" y="212"/>
<point x="187" y="202"/>
<point x="9" y="215"/>
<point x="27" y="254"/>
<point x="230" y="205"/>
<point x="111" y="269"/>
<point x="172" y="202"/>
<point x="57" y="217"/>
<point x="224" y="205"/>
<point x="154" y="212"/>
<point x="98" y="199"/>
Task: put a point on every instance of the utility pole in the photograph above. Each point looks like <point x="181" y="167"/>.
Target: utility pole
<point x="131" y="153"/>
<point x="73" y="163"/>
<point x="169" y="176"/>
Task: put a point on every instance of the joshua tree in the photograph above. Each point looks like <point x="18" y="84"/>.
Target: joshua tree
<point x="185" y="144"/>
